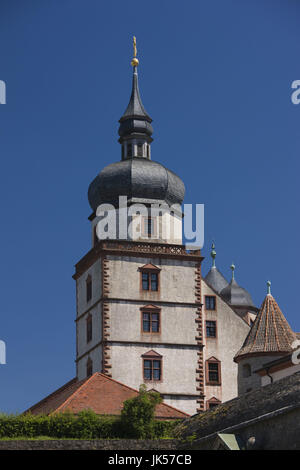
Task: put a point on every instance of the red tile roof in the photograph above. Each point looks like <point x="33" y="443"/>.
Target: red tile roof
<point x="100" y="393"/>
<point x="270" y="332"/>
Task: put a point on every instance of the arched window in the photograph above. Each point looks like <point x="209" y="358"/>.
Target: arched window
<point x="88" y="288"/>
<point x="246" y="370"/>
<point x="89" y="367"/>
<point x="89" y="328"/>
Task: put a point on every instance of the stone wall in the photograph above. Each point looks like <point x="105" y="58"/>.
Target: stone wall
<point x="122" y="444"/>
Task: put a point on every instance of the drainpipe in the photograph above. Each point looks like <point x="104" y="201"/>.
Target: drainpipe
<point x="267" y="373"/>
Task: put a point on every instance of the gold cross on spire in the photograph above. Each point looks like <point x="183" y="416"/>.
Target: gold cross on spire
<point x="135" y="61"/>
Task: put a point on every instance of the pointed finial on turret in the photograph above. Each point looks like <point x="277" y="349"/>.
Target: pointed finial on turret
<point x="213" y="254"/>
<point x="269" y="287"/>
<point x="232" y="267"/>
<point x="135" y="60"/>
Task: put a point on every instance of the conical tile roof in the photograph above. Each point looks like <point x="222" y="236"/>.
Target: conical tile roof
<point x="270" y="332"/>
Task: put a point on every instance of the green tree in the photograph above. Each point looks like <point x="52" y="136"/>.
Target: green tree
<point x="137" y="416"/>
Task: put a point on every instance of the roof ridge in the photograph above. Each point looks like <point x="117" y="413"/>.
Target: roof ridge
<point x="135" y="390"/>
<point x="60" y="389"/>
<point x="75" y="392"/>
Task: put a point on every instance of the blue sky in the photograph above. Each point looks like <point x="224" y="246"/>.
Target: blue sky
<point x="215" y="76"/>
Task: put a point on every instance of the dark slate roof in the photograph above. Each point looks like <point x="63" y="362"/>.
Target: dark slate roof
<point x="280" y="394"/>
<point x="135" y="119"/>
<point x="215" y="279"/>
<point x="269" y="333"/>
<point x="135" y="106"/>
<point x="100" y="393"/>
<point x="236" y="296"/>
<point x="136" y="178"/>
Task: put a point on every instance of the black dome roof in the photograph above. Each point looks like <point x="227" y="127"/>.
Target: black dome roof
<point x="138" y="179"/>
<point x="236" y="295"/>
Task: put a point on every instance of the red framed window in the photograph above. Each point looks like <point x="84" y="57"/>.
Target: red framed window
<point x="210" y="302"/>
<point x="152" y="366"/>
<point x="213" y="371"/>
<point x="152" y="369"/>
<point x="211" y="328"/>
<point x="212" y="403"/>
<point x="150" y="281"/>
<point x="149" y="278"/>
<point x="150" y="321"/>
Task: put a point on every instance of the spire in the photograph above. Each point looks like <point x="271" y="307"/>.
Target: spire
<point x="213" y="254"/>
<point x="135" y="124"/>
<point x="269" y="287"/>
<point x="135" y="60"/>
<point x="214" y="278"/>
<point x="235" y="295"/>
<point x="232" y="267"/>
<point x="270" y="332"/>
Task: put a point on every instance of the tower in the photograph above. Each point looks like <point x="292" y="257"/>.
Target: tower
<point x="270" y="337"/>
<point x="139" y="315"/>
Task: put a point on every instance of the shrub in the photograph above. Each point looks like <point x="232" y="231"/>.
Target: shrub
<point x="137" y="416"/>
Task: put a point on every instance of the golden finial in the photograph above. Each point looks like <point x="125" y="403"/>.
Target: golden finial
<point x="135" y="61"/>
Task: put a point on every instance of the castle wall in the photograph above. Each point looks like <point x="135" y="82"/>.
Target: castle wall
<point x="231" y="333"/>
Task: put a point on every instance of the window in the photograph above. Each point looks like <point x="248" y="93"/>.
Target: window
<point x="150" y="320"/>
<point x="140" y="150"/>
<point x="129" y="150"/>
<point x="148" y="150"/>
<point x="213" y="372"/>
<point x="210" y="302"/>
<point x="88" y="288"/>
<point x="152" y="366"/>
<point x="246" y="370"/>
<point x="149" y="227"/>
<point x="152" y="369"/>
<point x="212" y="403"/>
<point x="89" y="367"/>
<point x="149" y="277"/>
<point x="211" y="329"/>
<point x="89" y="328"/>
<point x="150" y="281"/>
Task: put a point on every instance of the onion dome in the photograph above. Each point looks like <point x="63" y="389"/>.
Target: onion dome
<point x="235" y="295"/>
<point x="140" y="180"/>
<point x="270" y="333"/>
<point x="214" y="278"/>
<point x="136" y="175"/>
